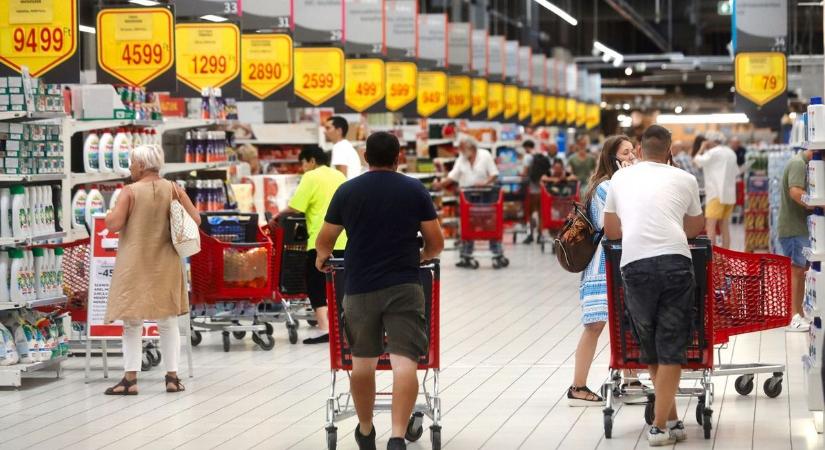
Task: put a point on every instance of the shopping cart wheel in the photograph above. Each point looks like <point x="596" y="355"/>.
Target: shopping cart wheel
<point x="700" y="410"/>
<point x="155" y="356"/>
<point x="332" y="438"/>
<point x="270" y="330"/>
<point x="225" y="341"/>
<point x="238" y="334"/>
<point x="435" y="436"/>
<point x="292" y="330"/>
<point x="415" y="427"/>
<point x="505" y="262"/>
<point x="707" y="422"/>
<point x="196" y="337"/>
<point x="744" y="384"/>
<point x="650" y="408"/>
<point x="146" y="362"/>
<point x="474" y="264"/>
<point x="265" y="341"/>
<point x="773" y="386"/>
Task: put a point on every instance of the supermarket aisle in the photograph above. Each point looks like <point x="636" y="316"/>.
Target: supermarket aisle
<point x="507" y="349"/>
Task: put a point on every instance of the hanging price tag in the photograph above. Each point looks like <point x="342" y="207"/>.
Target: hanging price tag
<point x="267" y="63"/>
<point x="480" y="92"/>
<point x="459" y="95"/>
<point x="495" y="100"/>
<point x="581" y="113"/>
<point x="319" y="73"/>
<point x="761" y="76"/>
<point x="571" y="111"/>
<point x="510" y="101"/>
<point x="537" y="113"/>
<point x="432" y="92"/>
<point x="135" y="45"/>
<point x="525" y="102"/>
<point x="207" y="55"/>
<point x="364" y="83"/>
<point x="401" y="81"/>
<point x="38" y="34"/>
<point x="593" y="116"/>
<point x="549" y="109"/>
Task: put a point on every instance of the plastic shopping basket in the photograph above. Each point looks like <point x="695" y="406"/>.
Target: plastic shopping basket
<point x="482" y="214"/>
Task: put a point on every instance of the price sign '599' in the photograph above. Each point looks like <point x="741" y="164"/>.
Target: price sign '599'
<point x="38" y="34"/>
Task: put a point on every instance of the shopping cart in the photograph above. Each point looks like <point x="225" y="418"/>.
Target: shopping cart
<point x="231" y="279"/>
<point x="557" y="201"/>
<point x="482" y="219"/>
<point x="338" y="404"/>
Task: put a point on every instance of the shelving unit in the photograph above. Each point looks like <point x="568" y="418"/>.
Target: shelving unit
<point x="13" y="375"/>
<point x="39" y="303"/>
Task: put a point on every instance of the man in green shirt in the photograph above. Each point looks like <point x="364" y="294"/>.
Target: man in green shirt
<point x="582" y="164"/>
<point x="312" y="197"/>
<point x="792" y="229"/>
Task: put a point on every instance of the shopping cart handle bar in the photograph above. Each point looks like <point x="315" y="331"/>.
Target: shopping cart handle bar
<point x="338" y="263"/>
<point x="480" y="189"/>
<point x="227" y="213"/>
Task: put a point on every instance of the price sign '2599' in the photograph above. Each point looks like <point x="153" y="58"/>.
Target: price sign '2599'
<point x="135" y="45"/>
<point x="37" y="34"/>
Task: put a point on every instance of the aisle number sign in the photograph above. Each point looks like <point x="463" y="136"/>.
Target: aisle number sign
<point x="571" y="111"/>
<point x="549" y="109"/>
<point x="364" y="79"/>
<point x="510" y="101"/>
<point x="319" y="73"/>
<point x="538" y="109"/>
<point x="266" y="63"/>
<point x="459" y="95"/>
<point x="135" y="45"/>
<point x="480" y="92"/>
<point x="495" y="100"/>
<point x="525" y="102"/>
<point x="207" y="54"/>
<point x="761" y="76"/>
<point x="432" y="93"/>
<point x="38" y="34"/>
<point x="401" y="82"/>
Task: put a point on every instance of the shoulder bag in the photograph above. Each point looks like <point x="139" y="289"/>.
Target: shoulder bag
<point x="577" y="240"/>
<point x="186" y="236"/>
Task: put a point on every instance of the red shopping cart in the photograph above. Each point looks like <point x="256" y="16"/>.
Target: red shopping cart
<point x="481" y="213"/>
<point x="557" y="201"/>
<point x="231" y="278"/>
<point x="339" y="406"/>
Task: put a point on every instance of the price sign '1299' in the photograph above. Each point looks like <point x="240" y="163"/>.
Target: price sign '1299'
<point x="207" y="54"/>
<point x="37" y="34"/>
<point x="135" y="45"/>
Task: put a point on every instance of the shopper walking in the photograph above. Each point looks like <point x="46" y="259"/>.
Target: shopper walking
<point x="792" y="229"/>
<point x="148" y="281"/>
<point x="582" y="164"/>
<point x="617" y="152"/>
<point x="683" y="159"/>
<point x="312" y="196"/>
<point x="718" y="162"/>
<point x="654" y="208"/>
<point x="382" y="212"/>
<point x="344" y="156"/>
<point x="699" y="174"/>
<point x="536" y="164"/>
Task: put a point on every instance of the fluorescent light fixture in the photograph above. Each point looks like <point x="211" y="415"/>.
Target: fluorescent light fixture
<point x="214" y="18"/>
<point x="145" y="2"/>
<point x="720" y="118"/>
<point x="86" y="29"/>
<point x="609" y="54"/>
<point x="628" y="71"/>
<point x="558" y="11"/>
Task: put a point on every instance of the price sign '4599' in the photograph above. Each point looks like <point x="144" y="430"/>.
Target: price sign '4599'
<point x="135" y="45"/>
<point x="38" y="34"/>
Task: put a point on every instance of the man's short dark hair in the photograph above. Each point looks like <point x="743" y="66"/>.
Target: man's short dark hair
<point x="315" y="152"/>
<point x="656" y="141"/>
<point x="382" y="149"/>
<point x="529" y="144"/>
<point x="340" y="123"/>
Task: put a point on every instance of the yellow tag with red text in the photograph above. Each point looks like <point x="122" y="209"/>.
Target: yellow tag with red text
<point x="525" y="102"/>
<point x="432" y="92"/>
<point x="537" y="113"/>
<point x="319" y="73"/>
<point x="480" y="92"/>
<point x="511" y="98"/>
<point x="267" y="63"/>
<point x="401" y="84"/>
<point x="495" y="100"/>
<point x="364" y="83"/>
<point x="207" y="55"/>
<point x="38" y="34"/>
<point x="459" y="95"/>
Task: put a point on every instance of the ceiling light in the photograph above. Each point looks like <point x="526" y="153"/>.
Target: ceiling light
<point x="86" y="29"/>
<point x="617" y="57"/>
<point x="626" y="106"/>
<point x="145" y="2"/>
<point x="721" y="118"/>
<point x="558" y="11"/>
<point x="214" y="18"/>
<point x="628" y="71"/>
<point x="678" y="109"/>
<point x="603" y="104"/>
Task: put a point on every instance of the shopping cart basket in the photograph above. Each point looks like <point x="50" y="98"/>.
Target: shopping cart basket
<point x="482" y="219"/>
<point x="231" y="278"/>
<point x="338" y="404"/>
<point x="557" y="201"/>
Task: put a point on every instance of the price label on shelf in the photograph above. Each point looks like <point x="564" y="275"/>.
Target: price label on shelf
<point x="480" y="93"/>
<point x="401" y="82"/>
<point x="525" y="102"/>
<point x="549" y="109"/>
<point x="364" y="79"/>
<point x="570" y="115"/>
<point x="537" y="110"/>
<point x="495" y="100"/>
<point x="266" y="63"/>
<point x="510" y="101"/>
<point x="761" y="76"/>
<point x="432" y="93"/>
<point x="459" y="95"/>
<point x="207" y="54"/>
<point x="319" y="73"/>
<point x="135" y="45"/>
<point x="38" y="34"/>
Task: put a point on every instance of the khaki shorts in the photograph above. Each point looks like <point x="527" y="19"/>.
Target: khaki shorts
<point x="397" y="311"/>
<point x="718" y="211"/>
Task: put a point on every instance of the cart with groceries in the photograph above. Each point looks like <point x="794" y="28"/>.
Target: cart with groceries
<point x="481" y="218"/>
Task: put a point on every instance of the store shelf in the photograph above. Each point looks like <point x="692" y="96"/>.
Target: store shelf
<point x="439" y="141"/>
<point x="813" y="145"/>
<point x="9" y="242"/>
<point x="813" y="257"/>
<point x="10" y="115"/>
<point x="72" y="126"/>
<point x="281" y="161"/>
<point x="179" y="123"/>
<point x="31" y="178"/>
<point x="813" y="201"/>
<point x="12" y="375"/>
<point x="192" y="167"/>
<point x="39" y="303"/>
<point x="506" y="144"/>
<point x="76" y="235"/>
<point x="88" y="178"/>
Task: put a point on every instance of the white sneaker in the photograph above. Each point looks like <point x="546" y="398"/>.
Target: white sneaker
<point x="677" y="430"/>
<point x="798" y="324"/>
<point x="659" y="438"/>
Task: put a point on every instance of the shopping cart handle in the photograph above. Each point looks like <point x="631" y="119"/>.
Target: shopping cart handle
<point x="430" y="263"/>
<point x="480" y="189"/>
<point x="336" y="263"/>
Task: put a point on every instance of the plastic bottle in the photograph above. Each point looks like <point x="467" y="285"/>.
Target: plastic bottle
<point x="95" y="203"/>
<point x="19" y="222"/>
<point x="17" y="286"/>
<point x="4" y="277"/>
<point x="58" y="265"/>
<point x="200" y="146"/>
<point x="57" y="207"/>
<point x="122" y="147"/>
<point x="48" y="209"/>
<point x="40" y="272"/>
<point x="137" y="138"/>
<point x="113" y="199"/>
<point x="79" y="210"/>
<point x="91" y="157"/>
<point x="106" y="146"/>
<point x="5" y="213"/>
<point x="816" y="120"/>
<point x="54" y="288"/>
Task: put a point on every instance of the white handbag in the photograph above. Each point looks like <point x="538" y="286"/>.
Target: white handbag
<point x="186" y="236"/>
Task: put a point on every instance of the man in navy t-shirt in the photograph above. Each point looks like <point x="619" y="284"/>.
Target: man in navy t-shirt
<point x="382" y="212"/>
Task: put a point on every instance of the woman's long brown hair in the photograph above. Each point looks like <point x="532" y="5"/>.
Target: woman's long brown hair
<point x="606" y="166"/>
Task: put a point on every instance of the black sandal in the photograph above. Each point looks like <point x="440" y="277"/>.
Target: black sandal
<point x="179" y="387"/>
<point x="592" y="399"/>
<point x="125" y="384"/>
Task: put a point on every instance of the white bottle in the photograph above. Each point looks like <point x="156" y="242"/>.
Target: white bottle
<point x="106" y="146"/>
<point x="113" y="200"/>
<point x="91" y="156"/>
<point x="5" y="213"/>
<point x="95" y="203"/>
<point x="137" y="138"/>
<point x="17" y="280"/>
<point x="79" y="210"/>
<point x="19" y="221"/>
<point x="31" y="200"/>
<point x="53" y="286"/>
<point x="4" y="277"/>
<point x="28" y="291"/>
<point x="48" y="209"/>
<point x="122" y="149"/>
<point x="58" y="267"/>
<point x="40" y="272"/>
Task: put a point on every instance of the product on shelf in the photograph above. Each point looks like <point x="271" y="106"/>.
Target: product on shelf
<point x="23" y="93"/>
<point x="30" y="148"/>
<point x="79" y="210"/>
<point x="207" y="195"/>
<point x="214" y="106"/>
<point x="205" y="146"/>
<point x="95" y="204"/>
<point x="144" y="105"/>
<point x="91" y="157"/>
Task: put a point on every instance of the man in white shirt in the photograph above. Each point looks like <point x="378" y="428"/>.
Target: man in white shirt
<point x="718" y="162"/>
<point x="654" y="208"/>
<point x="344" y="156"/>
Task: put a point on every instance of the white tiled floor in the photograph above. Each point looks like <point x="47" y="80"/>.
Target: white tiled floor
<point x="507" y="346"/>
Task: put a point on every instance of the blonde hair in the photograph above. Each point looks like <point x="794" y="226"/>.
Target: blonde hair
<point x="149" y="156"/>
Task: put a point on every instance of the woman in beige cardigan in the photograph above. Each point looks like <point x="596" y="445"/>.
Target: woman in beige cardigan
<point x="148" y="282"/>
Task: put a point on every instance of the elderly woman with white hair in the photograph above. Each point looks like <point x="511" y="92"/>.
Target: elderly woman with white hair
<point x="718" y="163"/>
<point x="148" y="281"/>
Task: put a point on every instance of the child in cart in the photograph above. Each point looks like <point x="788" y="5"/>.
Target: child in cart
<point x="559" y="182"/>
<point x="654" y="208"/>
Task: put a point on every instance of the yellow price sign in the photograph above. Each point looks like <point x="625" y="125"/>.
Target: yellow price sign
<point x="207" y="54"/>
<point x="594" y="113"/>
<point x="525" y="102"/>
<point x="581" y="113"/>
<point x="495" y="100"/>
<point x="135" y="45"/>
<point x="38" y="34"/>
<point x="267" y="63"/>
<point x="432" y="93"/>
<point x="480" y="92"/>
<point x="459" y="95"/>
<point x="537" y="113"/>
<point x="549" y="109"/>
<point x="571" y="111"/>
<point x="364" y="83"/>
<point x="761" y="76"/>
<point x="319" y="73"/>
<point x="511" y="98"/>
<point x="401" y="84"/>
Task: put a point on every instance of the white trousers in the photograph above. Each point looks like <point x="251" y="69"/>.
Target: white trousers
<point x="169" y="344"/>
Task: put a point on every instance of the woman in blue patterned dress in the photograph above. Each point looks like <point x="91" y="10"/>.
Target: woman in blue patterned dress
<point x="617" y="152"/>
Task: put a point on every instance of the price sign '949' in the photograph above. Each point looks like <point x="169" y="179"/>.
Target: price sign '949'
<point x="37" y="34"/>
<point x="135" y="45"/>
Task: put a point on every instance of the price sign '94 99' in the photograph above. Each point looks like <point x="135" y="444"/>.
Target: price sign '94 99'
<point x="38" y="34"/>
<point x="135" y="45"/>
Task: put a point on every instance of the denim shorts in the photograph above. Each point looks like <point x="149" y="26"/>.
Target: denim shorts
<point x="792" y="248"/>
<point x="659" y="296"/>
